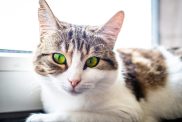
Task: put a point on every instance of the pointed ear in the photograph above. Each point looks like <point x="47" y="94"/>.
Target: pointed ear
<point x="47" y="20"/>
<point x="112" y="28"/>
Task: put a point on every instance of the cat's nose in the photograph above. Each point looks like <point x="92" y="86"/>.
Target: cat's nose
<point x="74" y="83"/>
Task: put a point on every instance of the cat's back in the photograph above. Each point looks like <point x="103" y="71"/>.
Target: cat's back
<point x="144" y="69"/>
<point x="155" y="77"/>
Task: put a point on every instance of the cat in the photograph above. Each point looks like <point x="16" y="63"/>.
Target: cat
<point x="84" y="80"/>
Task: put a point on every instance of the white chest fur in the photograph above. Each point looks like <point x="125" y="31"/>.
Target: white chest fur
<point x="116" y="100"/>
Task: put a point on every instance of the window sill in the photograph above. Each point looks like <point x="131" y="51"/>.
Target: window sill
<point x="15" y="61"/>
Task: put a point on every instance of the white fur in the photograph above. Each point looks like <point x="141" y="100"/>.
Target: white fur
<point x="103" y="97"/>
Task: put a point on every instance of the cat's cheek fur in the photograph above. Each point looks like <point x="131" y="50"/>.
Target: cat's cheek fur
<point x="101" y="80"/>
<point x="98" y="82"/>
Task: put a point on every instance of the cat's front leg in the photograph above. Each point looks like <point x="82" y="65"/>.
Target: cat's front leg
<point x="102" y="117"/>
<point x="79" y="117"/>
<point x="40" y="117"/>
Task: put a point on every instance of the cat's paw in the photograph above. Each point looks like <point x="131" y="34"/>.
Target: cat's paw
<point x="48" y="118"/>
<point x="37" y="118"/>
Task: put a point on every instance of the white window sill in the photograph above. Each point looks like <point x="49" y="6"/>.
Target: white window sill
<point x="16" y="61"/>
<point x="19" y="90"/>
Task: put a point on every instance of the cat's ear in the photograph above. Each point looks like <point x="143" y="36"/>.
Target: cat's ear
<point x="47" y="20"/>
<point x="112" y="28"/>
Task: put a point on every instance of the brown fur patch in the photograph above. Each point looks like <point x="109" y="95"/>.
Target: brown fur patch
<point x="146" y="68"/>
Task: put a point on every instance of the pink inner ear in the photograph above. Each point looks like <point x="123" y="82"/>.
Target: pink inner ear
<point x="112" y="28"/>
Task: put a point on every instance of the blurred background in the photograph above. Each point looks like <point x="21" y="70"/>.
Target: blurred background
<point x="147" y="24"/>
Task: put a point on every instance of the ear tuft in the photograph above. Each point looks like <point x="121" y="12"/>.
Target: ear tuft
<point x="112" y="28"/>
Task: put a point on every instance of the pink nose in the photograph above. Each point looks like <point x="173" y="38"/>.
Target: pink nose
<point x="74" y="83"/>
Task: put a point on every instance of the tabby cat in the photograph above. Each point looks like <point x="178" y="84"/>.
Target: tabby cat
<point x="84" y="80"/>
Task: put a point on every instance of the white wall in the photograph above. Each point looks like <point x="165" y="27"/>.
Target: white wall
<point x="19" y="90"/>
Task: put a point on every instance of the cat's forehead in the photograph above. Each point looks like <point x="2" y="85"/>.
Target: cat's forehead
<point x="81" y="32"/>
<point x="76" y="32"/>
<point x="82" y="36"/>
<point x="74" y="37"/>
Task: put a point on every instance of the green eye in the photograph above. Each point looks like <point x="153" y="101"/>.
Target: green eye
<point x="59" y="58"/>
<point x="92" y="62"/>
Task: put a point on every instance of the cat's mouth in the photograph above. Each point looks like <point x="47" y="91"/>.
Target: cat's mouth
<point x="74" y="92"/>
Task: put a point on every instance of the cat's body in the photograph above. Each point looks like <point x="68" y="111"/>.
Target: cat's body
<point x="158" y="75"/>
<point x="83" y="80"/>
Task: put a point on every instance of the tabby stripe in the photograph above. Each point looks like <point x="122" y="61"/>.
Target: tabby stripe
<point x="70" y="34"/>
<point x="81" y="46"/>
<point x="87" y="46"/>
<point x="66" y="47"/>
<point x="130" y="77"/>
<point x="78" y="43"/>
<point x="84" y="34"/>
<point x="73" y="42"/>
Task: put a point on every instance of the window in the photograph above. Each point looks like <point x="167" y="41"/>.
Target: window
<point x="19" y="22"/>
<point x="170" y="23"/>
